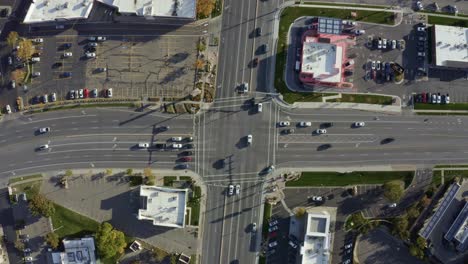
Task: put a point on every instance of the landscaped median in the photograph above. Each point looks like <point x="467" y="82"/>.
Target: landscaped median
<point x="442" y="107"/>
<point x="350" y="178"/>
<point x="288" y="15"/>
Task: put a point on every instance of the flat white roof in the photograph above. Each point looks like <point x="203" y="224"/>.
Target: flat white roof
<point x="164" y="206"/>
<point x="184" y="8"/>
<point x="323" y="60"/>
<point x="316" y="241"/>
<point x="50" y="10"/>
<point x="77" y="251"/>
<point x="451" y="45"/>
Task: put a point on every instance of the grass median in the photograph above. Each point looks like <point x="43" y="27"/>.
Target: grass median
<point x="346" y="4"/>
<point x="447" y="21"/>
<point x="364" y="99"/>
<point x="449" y="175"/>
<point x="24" y="178"/>
<point x="451" y="106"/>
<point x="288" y="16"/>
<point x="350" y="178"/>
<point x="68" y="223"/>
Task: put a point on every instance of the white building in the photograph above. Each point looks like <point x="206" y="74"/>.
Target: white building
<point x="316" y="248"/>
<point x="62" y="10"/>
<point x="53" y="10"/>
<point x="77" y="251"/>
<point x="164" y="206"/>
<point x="323" y="60"/>
<point x="450" y="46"/>
<point x="165" y="8"/>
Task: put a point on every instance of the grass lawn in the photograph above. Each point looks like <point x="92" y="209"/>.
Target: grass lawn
<point x="168" y="180"/>
<point x="266" y="218"/>
<point x="30" y="188"/>
<point x="185" y="178"/>
<point x="287" y="17"/>
<point x="451" y="106"/>
<point x="447" y="21"/>
<point x="451" y="166"/>
<point x="68" y="223"/>
<point x="345" y="4"/>
<point x="364" y="99"/>
<point x="448" y="175"/>
<point x="17" y="179"/>
<point x="195" y="217"/>
<point x="352" y="178"/>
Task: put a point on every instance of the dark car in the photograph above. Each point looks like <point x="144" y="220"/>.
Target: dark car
<point x="66" y="74"/>
<point x="90" y="49"/>
<point x="419" y="48"/>
<point x="163" y="128"/>
<point x="159" y="146"/>
<point x="57" y="65"/>
<point x="4" y="12"/>
<point x="326" y="125"/>
<point x="287" y="131"/>
<point x="348" y="73"/>
<point x="188" y="146"/>
<point x="187" y="153"/>
<point x="66" y="45"/>
<point x="255" y="62"/>
<point x="186" y="159"/>
<point x="324" y="147"/>
<point x="386" y="141"/>
<point x="258" y="31"/>
<point x="182" y="166"/>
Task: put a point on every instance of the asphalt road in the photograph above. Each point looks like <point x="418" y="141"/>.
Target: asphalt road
<point x="417" y="140"/>
<point x="104" y="137"/>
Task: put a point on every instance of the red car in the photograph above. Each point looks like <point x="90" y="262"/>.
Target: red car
<point x="423" y="98"/>
<point x="186" y="159"/>
<point x="272" y="234"/>
<point x="86" y="93"/>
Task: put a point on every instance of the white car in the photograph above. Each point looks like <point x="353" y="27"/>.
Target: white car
<point x="44" y="130"/>
<point x="243" y="88"/>
<point x="359" y="124"/>
<point x="447" y="99"/>
<point x="38" y="40"/>
<point x="36" y="74"/>
<point x="378" y="65"/>
<point x="249" y="139"/>
<point x="439" y="99"/>
<point x="92" y="44"/>
<point x="273" y="223"/>
<point x="379" y="44"/>
<point x="284" y="123"/>
<point x="143" y="145"/>
<point x="384" y="43"/>
<point x="320" y="131"/>
<point x="393" y="44"/>
<point x="259" y="107"/>
<point x="421" y="29"/>
<point x="53" y="97"/>
<point x="317" y="198"/>
<point x="90" y="55"/>
<point x="176" y="139"/>
<point x="292" y="244"/>
<point x="348" y="261"/>
<point x="72" y="94"/>
<point x="44" y="147"/>
<point x="176" y="146"/>
<point x="273" y="244"/>
<point x="109" y="92"/>
<point x="67" y="54"/>
<point x="305" y="124"/>
<point x="419" y="5"/>
<point x="231" y="189"/>
<point x="8" y="109"/>
<point x="80" y="93"/>
<point x="348" y="246"/>
<point x="35" y="59"/>
<point x="237" y="189"/>
<point x="273" y="228"/>
<point x="28" y="259"/>
<point x="97" y="38"/>
<point x="393" y="205"/>
<point x="373" y="65"/>
<point x="254" y="227"/>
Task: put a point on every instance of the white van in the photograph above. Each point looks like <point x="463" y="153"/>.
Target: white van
<point x="35" y="59"/>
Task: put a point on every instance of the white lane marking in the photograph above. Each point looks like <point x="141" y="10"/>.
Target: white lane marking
<point x="59" y="118"/>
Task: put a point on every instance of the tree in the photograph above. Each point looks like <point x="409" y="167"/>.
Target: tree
<point x="68" y="173"/>
<point x="12" y="38"/>
<point x="17" y="75"/>
<point x="148" y="172"/>
<point x="110" y="242"/>
<point x="201" y="46"/>
<point x="19" y="245"/>
<point x="40" y="205"/>
<point x="205" y="7"/>
<point x="108" y="172"/>
<point x="400" y="227"/>
<point x="129" y="172"/>
<point x="421" y="242"/>
<point x="393" y="191"/>
<point x="26" y="49"/>
<point x="199" y="64"/>
<point x="52" y="239"/>
<point x="412" y="212"/>
<point x="300" y="211"/>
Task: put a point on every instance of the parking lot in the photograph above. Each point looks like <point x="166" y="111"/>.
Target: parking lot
<point x="133" y="67"/>
<point x="409" y="50"/>
<point x="369" y="200"/>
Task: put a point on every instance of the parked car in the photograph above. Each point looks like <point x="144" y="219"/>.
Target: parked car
<point x="447" y="99"/>
<point x="67" y="54"/>
<point x="8" y="109"/>
<point x="320" y="131"/>
<point x="44" y="130"/>
<point x="359" y="124"/>
<point x="259" y="107"/>
<point x="384" y="43"/>
<point x="273" y="222"/>
<point x="305" y="124"/>
<point x="284" y="123"/>
<point x="71" y="95"/>
<point x="36" y="74"/>
<point x="419" y="5"/>
<point x="38" y="40"/>
<point x="237" y="189"/>
<point x="231" y="189"/>
<point x="66" y="74"/>
<point x="176" y="139"/>
<point x="90" y="55"/>
<point x="394" y="44"/>
<point x="53" y="97"/>
<point x="273" y="228"/>
<point x="378" y="65"/>
<point x="94" y="93"/>
<point x="143" y="145"/>
<point x="98" y="38"/>
<point x="109" y="93"/>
